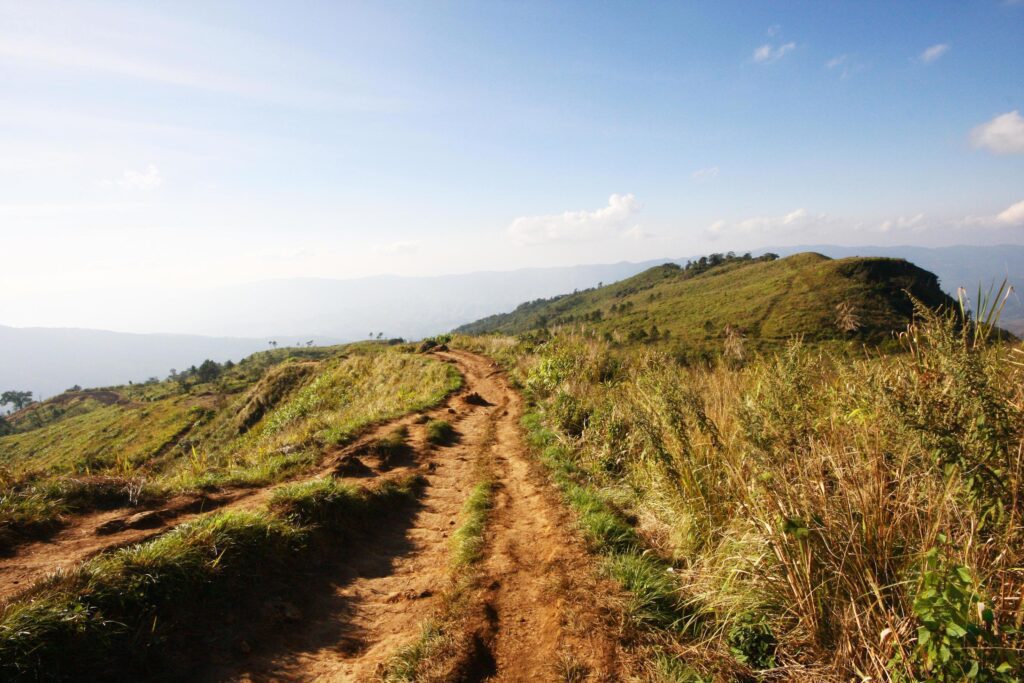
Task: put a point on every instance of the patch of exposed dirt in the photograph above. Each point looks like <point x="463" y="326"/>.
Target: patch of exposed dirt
<point x="537" y="604"/>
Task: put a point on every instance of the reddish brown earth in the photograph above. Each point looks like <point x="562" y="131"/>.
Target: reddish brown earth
<point x="534" y="609"/>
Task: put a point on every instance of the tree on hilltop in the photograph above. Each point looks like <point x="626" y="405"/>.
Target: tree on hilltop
<point x="17" y="399"/>
<point x="208" y="371"/>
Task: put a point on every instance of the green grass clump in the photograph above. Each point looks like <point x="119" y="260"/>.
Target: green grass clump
<point x="440" y="432"/>
<point x="104" y="615"/>
<point x="603" y="527"/>
<point x="468" y="539"/>
<point x="409" y="661"/>
<point x="653" y="591"/>
<point x="392" y="445"/>
<point x="27" y="513"/>
<point x="334" y="504"/>
<point x="111" y="617"/>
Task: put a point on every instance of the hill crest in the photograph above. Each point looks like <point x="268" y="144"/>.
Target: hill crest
<point x="766" y="299"/>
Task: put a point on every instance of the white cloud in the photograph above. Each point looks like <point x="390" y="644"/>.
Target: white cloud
<point x="638" y="233"/>
<point x="574" y="226"/>
<point x="932" y="53"/>
<point x="1002" y="135"/>
<point x="1013" y="216"/>
<point x="769" y="53"/>
<point x="794" y="221"/>
<point x="844" y="65"/>
<point x="838" y="60"/>
<point x="1010" y="217"/>
<point x="399" y="247"/>
<point x="150" y="179"/>
<point x="703" y="174"/>
<point x="915" y="223"/>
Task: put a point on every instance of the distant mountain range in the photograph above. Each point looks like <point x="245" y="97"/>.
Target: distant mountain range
<point x="230" y="322"/>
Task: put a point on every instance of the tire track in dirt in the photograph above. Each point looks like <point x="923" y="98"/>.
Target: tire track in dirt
<point x="537" y="611"/>
<point x="84" y="535"/>
<point x="536" y="606"/>
<point x="393" y="580"/>
<point x="542" y="617"/>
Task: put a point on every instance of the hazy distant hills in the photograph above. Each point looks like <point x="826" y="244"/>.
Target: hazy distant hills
<point x="47" y="361"/>
<point x="237" y="320"/>
<point x="242" y="319"/>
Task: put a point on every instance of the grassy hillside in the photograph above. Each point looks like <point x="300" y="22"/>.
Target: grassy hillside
<point x="243" y="425"/>
<point x="798" y="515"/>
<point x="764" y="301"/>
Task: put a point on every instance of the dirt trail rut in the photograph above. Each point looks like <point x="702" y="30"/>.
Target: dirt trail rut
<point x="535" y="607"/>
<point x="90" y="534"/>
<point x="535" y="613"/>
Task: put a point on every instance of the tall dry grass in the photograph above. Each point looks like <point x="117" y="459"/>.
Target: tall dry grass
<point x="828" y="517"/>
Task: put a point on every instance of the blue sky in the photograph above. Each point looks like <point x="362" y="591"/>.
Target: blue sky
<point x="192" y="143"/>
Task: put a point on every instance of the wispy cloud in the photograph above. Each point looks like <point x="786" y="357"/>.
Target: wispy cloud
<point x="932" y="53"/>
<point x="576" y="226"/>
<point x="638" y="233"/>
<point x="1004" y="134"/>
<point x="52" y="54"/>
<point x="837" y="61"/>
<point x="704" y="174"/>
<point x="801" y="224"/>
<point x="398" y="247"/>
<point x="1012" y="216"/>
<point x="915" y="222"/>
<point x="149" y="179"/>
<point x="845" y="65"/>
<point x="768" y="53"/>
<point x="794" y="221"/>
<point x="108" y="43"/>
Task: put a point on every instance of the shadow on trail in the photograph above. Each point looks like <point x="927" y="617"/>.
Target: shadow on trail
<point x="287" y="616"/>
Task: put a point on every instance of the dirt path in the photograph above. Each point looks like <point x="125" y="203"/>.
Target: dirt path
<point x="534" y="615"/>
<point x="392" y="580"/>
<point x="542" y="614"/>
<point x="534" y="611"/>
<point x="90" y="534"/>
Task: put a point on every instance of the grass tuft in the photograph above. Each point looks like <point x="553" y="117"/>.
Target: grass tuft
<point x="110" y="617"/>
<point x="440" y="432"/>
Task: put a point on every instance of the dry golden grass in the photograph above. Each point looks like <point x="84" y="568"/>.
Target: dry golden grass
<point x="827" y="518"/>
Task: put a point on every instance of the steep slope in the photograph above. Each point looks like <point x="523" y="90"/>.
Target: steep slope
<point x="766" y="300"/>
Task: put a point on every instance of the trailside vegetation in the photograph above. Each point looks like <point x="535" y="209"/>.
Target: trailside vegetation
<point x="114" y="617"/>
<point x="249" y="424"/>
<point x="798" y="514"/>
